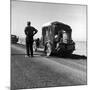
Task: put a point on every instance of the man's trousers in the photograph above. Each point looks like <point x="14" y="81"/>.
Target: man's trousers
<point x="29" y="47"/>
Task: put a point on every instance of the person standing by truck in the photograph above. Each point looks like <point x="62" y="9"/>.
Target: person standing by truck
<point x="30" y="31"/>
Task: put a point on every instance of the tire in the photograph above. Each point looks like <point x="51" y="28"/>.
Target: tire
<point x="48" y="49"/>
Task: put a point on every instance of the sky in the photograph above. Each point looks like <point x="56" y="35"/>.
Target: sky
<point x="40" y="13"/>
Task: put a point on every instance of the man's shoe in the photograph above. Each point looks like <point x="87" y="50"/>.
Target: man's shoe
<point x="32" y="56"/>
<point x="27" y="56"/>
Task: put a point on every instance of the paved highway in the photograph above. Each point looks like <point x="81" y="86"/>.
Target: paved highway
<point x="41" y="71"/>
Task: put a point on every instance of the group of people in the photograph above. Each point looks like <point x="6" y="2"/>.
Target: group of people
<point x="30" y="31"/>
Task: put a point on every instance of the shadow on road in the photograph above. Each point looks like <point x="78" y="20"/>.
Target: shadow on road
<point x="73" y="56"/>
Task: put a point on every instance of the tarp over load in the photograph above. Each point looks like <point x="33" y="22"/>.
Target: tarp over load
<point x="61" y="26"/>
<point x="58" y="26"/>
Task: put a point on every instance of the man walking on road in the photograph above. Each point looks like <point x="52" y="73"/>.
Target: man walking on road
<point x="29" y="32"/>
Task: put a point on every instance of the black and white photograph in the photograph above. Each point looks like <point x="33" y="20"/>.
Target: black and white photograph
<point x="48" y="44"/>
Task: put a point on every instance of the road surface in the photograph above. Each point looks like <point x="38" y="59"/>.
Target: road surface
<point x="41" y="71"/>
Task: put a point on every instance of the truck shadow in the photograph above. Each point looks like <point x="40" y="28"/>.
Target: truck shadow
<point x="73" y="56"/>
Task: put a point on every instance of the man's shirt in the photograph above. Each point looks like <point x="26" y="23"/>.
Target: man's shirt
<point x="30" y="31"/>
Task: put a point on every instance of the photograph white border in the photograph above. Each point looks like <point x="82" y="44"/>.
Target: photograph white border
<point x="5" y="44"/>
